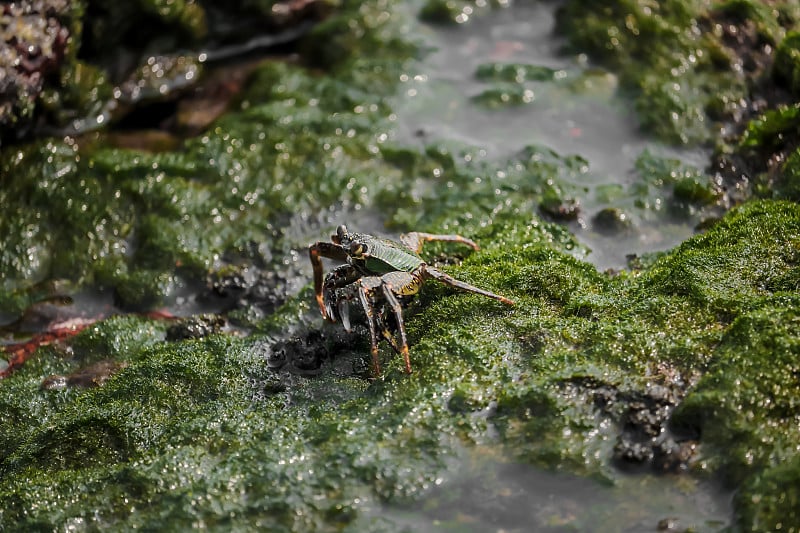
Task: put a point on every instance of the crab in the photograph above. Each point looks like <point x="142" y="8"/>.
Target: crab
<point x="382" y="275"/>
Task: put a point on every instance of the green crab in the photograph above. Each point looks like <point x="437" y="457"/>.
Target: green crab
<point x="377" y="272"/>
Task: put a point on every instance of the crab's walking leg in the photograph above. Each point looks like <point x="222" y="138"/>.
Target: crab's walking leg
<point x="415" y="240"/>
<point x="366" y="293"/>
<point x="397" y="309"/>
<point x="316" y="252"/>
<point x="387" y="335"/>
<point x="440" y="276"/>
<point x="394" y="284"/>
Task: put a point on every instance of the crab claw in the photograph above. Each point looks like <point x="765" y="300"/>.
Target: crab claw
<point x="344" y="314"/>
<point x="328" y="311"/>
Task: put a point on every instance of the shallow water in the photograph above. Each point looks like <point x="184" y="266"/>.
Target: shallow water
<point x="577" y="113"/>
<point x="482" y="493"/>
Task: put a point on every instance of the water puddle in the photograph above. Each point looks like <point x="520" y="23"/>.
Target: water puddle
<point x="485" y="494"/>
<point x="575" y="112"/>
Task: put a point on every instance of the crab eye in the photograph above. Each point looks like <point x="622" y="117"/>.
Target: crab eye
<point x="357" y="249"/>
<point x="341" y="234"/>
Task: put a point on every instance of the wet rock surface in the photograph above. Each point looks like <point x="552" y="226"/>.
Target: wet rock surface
<point x="612" y="221"/>
<point x="248" y="291"/>
<point x="313" y="351"/>
<point x="196" y="327"/>
<point x="645" y="439"/>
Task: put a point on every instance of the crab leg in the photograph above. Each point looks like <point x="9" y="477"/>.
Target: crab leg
<point x="316" y="252"/>
<point x="415" y="240"/>
<point x="388" y="293"/>
<point x="388" y="337"/>
<point x="366" y="295"/>
<point x="438" y="275"/>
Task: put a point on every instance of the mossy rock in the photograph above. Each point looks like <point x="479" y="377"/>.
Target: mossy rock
<point x="679" y="75"/>
<point x="789" y="187"/>
<point x="203" y="430"/>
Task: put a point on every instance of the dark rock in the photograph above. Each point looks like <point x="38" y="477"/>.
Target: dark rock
<point x="34" y="42"/>
<point x="612" y="220"/>
<point x="195" y="327"/>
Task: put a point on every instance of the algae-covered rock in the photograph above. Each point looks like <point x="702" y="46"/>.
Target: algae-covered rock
<point x="186" y="429"/>
<point x="787" y="57"/>
<point x="612" y="220"/>
<point x="505" y="96"/>
<point x="73" y="66"/>
<point x="506" y="72"/>
<point x="688" y="64"/>
<point x="158" y="200"/>
<point x="694" y="191"/>
<point x="37" y="40"/>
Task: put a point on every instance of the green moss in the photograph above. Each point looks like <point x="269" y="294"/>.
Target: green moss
<point x="771" y="500"/>
<point x="137" y="227"/>
<point x="82" y="92"/>
<point x="670" y="186"/>
<point x="611" y="220"/>
<point x="696" y="192"/>
<point x="671" y="110"/>
<point x="699" y="269"/>
<point x="355" y="37"/>
<point x="454" y="11"/>
<point x="768" y="132"/>
<point x="767" y="19"/>
<point x="504" y="96"/>
<point x="789" y="187"/>
<point x="745" y="406"/>
<point x="510" y="72"/>
<point x="119" y="338"/>
<point x="673" y="68"/>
